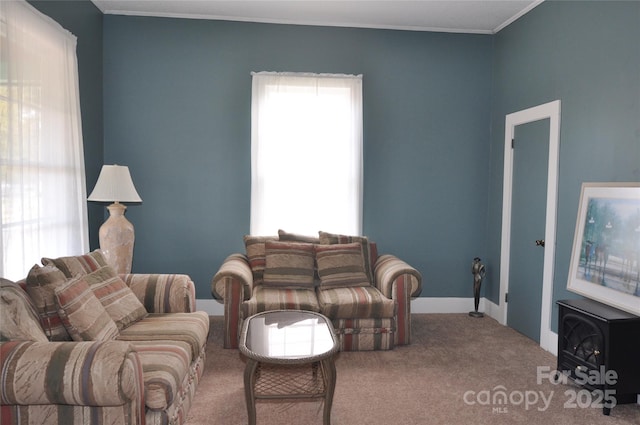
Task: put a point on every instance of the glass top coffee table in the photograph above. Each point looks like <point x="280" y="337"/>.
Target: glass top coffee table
<point x="290" y="355"/>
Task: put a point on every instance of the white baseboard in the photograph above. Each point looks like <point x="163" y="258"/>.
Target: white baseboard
<point x="418" y="305"/>
<point x="448" y="305"/>
<point x="454" y="305"/>
<point x="211" y="307"/>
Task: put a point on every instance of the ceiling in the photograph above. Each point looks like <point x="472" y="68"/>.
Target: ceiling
<point x="465" y="16"/>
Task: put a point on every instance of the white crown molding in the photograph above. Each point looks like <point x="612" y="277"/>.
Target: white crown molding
<point x="295" y="22"/>
<point x="517" y="16"/>
<point x="457" y="16"/>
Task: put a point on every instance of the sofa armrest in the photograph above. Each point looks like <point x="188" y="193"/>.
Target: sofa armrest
<point x="95" y="373"/>
<point x="235" y="269"/>
<point x="163" y="293"/>
<point x="388" y="269"/>
<point x="399" y="281"/>
<point x="233" y="283"/>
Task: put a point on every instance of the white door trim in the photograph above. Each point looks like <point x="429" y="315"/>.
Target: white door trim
<point x="551" y="111"/>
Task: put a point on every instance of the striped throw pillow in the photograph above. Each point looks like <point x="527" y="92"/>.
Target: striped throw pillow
<point x="82" y="313"/>
<point x="19" y="318"/>
<point x="296" y="237"/>
<point x="256" y="255"/>
<point x="341" y="265"/>
<point x="78" y="265"/>
<point x="116" y="297"/>
<point x="289" y="265"/>
<point x="367" y="253"/>
<point x="41" y="284"/>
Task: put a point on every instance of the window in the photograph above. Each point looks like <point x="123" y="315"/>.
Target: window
<point x="41" y="158"/>
<point x="306" y="153"/>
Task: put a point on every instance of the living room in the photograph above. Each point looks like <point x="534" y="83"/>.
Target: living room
<point x="170" y="98"/>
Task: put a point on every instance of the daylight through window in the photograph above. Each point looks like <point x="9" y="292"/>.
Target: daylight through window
<point x="306" y="153"/>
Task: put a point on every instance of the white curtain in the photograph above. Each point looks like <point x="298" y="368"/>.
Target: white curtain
<point x="41" y="159"/>
<point x="306" y="153"/>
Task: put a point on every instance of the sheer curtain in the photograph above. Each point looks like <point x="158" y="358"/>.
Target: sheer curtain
<point x="41" y="158"/>
<point x="306" y="153"/>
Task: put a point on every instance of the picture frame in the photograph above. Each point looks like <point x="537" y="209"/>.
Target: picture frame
<point x="605" y="259"/>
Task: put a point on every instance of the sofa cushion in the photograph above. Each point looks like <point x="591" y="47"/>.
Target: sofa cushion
<point x="41" y="284"/>
<point x="355" y="303"/>
<point x="341" y="266"/>
<point x="267" y="299"/>
<point x="165" y="364"/>
<point x="289" y="264"/>
<point x="367" y="252"/>
<point x="256" y="254"/>
<point x="118" y="299"/>
<point x="192" y="328"/>
<point x="19" y="318"/>
<point x="82" y="313"/>
<point x="78" y="265"/>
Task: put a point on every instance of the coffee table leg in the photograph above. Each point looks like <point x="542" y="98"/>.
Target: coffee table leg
<point x="249" y="386"/>
<point x="329" y="369"/>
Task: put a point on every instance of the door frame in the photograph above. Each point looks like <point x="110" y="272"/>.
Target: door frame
<point x="551" y="111"/>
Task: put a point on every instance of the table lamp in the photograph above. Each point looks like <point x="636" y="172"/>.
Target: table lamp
<point x="116" y="234"/>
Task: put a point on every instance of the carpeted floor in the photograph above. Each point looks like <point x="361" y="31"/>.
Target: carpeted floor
<point x="453" y="373"/>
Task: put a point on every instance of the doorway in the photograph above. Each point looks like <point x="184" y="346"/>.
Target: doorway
<point x="528" y="209"/>
<point x="521" y="224"/>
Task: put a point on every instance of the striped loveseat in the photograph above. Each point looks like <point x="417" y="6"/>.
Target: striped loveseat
<point x="82" y="345"/>
<point x="366" y="296"/>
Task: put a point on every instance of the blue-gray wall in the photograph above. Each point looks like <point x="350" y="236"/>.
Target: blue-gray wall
<point x="587" y="54"/>
<point x="178" y="113"/>
<point x="176" y="110"/>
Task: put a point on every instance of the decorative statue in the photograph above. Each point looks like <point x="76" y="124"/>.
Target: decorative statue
<point x="478" y="271"/>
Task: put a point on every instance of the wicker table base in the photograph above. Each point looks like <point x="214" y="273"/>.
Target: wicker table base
<point x="290" y="356"/>
<point x="309" y="381"/>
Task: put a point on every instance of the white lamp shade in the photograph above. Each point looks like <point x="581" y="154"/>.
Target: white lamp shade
<point x="114" y="185"/>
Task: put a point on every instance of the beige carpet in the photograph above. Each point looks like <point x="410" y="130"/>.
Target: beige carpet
<point x="448" y="375"/>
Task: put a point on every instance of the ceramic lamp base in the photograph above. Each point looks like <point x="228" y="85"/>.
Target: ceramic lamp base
<point x="116" y="239"/>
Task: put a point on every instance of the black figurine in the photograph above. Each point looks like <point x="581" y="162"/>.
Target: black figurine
<point x="477" y="268"/>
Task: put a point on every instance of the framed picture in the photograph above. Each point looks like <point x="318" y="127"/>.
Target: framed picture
<point x="605" y="260"/>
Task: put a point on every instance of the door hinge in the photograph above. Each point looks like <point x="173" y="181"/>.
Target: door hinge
<point x="506" y="297"/>
<point x="513" y="143"/>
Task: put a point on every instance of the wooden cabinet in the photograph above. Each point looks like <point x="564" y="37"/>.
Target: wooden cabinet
<point x="599" y="348"/>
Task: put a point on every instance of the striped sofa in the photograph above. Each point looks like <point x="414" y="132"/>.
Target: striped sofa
<point x="64" y="361"/>
<point x="366" y="296"/>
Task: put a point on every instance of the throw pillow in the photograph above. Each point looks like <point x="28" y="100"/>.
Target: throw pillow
<point x="122" y="305"/>
<point x="341" y="265"/>
<point x="295" y="237"/>
<point x="334" y="238"/>
<point x="82" y="313"/>
<point x="78" y="265"/>
<point x="19" y="318"/>
<point x="256" y="255"/>
<point x="289" y="264"/>
<point x="41" y="284"/>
